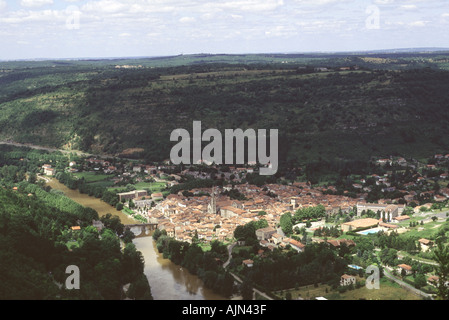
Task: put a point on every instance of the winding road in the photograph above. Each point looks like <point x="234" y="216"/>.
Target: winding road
<point x="406" y="285"/>
<point x="238" y="279"/>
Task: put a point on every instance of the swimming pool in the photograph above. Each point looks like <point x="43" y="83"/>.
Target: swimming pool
<point x="353" y="266"/>
<point x="370" y="231"/>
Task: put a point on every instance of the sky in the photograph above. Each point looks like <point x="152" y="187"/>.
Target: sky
<point x="34" y="29"/>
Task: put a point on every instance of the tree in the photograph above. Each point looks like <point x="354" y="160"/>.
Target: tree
<point x="247" y="290"/>
<point x="130" y="187"/>
<point x="247" y="232"/>
<point x="132" y="263"/>
<point x="420" y="281"/>
<point x="195" y="238"/>
<point x="128" y="235"/>
<point x="441" y="254"/>
<point x="32" y="178"/>
<point x="403" y="273"/>
<point x="113" y="223"/>
<point x="140" y="289"/>
<point x="286" y="223"/>
<point x="389" y="256"/>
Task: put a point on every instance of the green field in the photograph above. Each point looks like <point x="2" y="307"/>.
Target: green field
<point x="152" y="186"/>
<point x="388" y="291"/>
<point x="427" y="230"/>
<point x="104" y="180"/>
<point x="96" y="179"/>
<point x="93" y="176"/>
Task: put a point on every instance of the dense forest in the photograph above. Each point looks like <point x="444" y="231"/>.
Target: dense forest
<point x="326" y="108"/>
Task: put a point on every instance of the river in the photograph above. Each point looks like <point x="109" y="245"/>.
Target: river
<point x="100" y="206"/>
<point x="168" y="281"/>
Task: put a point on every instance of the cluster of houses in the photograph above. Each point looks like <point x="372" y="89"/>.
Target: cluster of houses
<point x="409" y="193"/>
<point x="270" y="238"/>
<point x="216" y="215"/>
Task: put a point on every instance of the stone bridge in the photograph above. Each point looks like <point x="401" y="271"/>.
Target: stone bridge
<point x="142" y="228"/>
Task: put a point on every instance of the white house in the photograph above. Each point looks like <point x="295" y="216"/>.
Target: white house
<point x="249" y="263"/>
<point x="406" y="268"/>
<point x="346" y="280"/>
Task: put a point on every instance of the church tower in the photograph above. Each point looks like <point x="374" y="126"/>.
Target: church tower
<point x="212" y="207"/>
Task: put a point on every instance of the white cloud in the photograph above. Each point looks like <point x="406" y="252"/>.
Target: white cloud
<point x="246" y="5"/>
<point x="409" y="7"/>
<point x="28" y="16"/>
<point x="35" y="3"/>
<point x="384" y="1"/>
<point x="104" y="6"/>
<point x="321" y="2"/>
<point x="187" y="20"/>
<point x="419" y="23"/>
<point x="281" y="31"/>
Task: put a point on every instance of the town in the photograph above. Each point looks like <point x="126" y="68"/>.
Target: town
<point x="203" y="203"/>
<point x="205" y="208"/>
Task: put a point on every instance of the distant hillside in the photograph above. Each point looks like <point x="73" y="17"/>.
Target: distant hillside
<point x="359" y="106"/>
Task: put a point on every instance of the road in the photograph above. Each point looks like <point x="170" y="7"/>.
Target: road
<point x="225" y="265"/>
<point x="387" y="273"/>
<point x="406" y="285"/>
<point x="263" y="294"/>
<point x="401" y="256"/>
<point x="32" y="146"/>
<point x="230" y="247"/>
<point x="77" y="152"/>
<point x="428" y="215"/>
<point x="47" y="180"/>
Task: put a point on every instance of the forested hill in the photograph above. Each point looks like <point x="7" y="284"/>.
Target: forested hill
<point x="325" y="108"/>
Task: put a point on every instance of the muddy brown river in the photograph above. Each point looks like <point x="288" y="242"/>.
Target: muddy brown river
<point x="169" y="281"/>
<point x="100" y="206"/>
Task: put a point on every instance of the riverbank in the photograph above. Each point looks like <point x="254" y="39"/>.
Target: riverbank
<point x="100" y="206"/>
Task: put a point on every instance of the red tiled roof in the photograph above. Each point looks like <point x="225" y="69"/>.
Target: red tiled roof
<point x="405" y="266"/>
